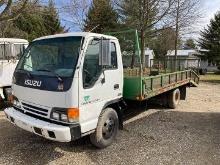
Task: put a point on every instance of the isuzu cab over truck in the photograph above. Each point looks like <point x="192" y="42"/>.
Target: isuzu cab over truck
<point x="70" y="85"/>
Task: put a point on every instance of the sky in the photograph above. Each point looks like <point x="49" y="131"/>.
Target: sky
<point x="210" y="7"/>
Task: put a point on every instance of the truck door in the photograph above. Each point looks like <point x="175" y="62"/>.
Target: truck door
<point x="98" y="84"/>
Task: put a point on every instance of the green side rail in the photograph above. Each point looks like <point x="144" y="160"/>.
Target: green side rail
<point x="155" y="85"/>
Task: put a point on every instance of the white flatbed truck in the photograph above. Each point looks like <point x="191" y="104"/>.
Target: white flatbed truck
<point x="67" y="86"/>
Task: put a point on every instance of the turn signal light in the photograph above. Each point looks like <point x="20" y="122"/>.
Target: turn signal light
<point x="73" y="114"/>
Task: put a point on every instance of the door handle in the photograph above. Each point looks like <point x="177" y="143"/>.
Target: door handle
<point x="116" y="86"/>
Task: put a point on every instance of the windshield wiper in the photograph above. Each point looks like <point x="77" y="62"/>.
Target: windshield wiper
<point x="47" y="70"/>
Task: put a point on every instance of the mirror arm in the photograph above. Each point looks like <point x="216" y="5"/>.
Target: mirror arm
<point x="103" y="79"/>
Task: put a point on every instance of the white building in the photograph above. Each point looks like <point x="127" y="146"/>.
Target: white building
<point x="149" y="55"/>
<point x="190" y="58"/>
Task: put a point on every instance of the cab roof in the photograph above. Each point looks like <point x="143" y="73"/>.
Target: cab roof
<point x="80" y="34"/>
<point x="13" y="40"/>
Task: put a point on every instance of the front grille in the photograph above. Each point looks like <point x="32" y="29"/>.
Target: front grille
<point x="41" y="117"/>
<point x="35" y="110"/>
<point x="18" y="109"/>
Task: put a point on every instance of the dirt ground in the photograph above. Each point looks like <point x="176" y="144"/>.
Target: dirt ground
<point x="188" y="135"/>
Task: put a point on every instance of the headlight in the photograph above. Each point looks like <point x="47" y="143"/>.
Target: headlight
<point x="17" y="103"/>
<point x="56" y="115"/>
<point x="66" y="115"/>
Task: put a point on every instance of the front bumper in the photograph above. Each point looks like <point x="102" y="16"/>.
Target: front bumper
<point x="43" y="128"/>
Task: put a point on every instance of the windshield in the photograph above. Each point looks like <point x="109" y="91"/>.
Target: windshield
<point x="5" y="51"/>
<point x="18" y="50"/>
<point x="11" y="50"/>
<point x="56" y="56"/>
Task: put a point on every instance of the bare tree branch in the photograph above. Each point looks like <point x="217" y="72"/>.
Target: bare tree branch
<point x="75" y="12"/>
<point x="7" y="15"/>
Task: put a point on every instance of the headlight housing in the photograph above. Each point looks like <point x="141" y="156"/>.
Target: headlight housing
<point x="70" y="115"/>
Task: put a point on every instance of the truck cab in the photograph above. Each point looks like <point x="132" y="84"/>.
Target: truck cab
<point x="10" y="51"/>
<point x="67" y="86"/>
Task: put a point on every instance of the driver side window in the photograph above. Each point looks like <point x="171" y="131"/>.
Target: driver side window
<point x="91" y="67"/>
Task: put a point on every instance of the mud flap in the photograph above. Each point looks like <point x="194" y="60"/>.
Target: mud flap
<point x="183" y="93"/>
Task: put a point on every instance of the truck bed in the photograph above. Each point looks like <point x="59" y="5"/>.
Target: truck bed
<point x="144" y="87"/>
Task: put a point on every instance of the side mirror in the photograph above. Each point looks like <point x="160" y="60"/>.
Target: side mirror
<point x="105" y="53"/>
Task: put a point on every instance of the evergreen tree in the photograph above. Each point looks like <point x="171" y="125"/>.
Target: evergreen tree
<point x="32" y="23"/>
<point x="51" y="19"/>
<point x="210" y="40"/>
<point x="36" y="21"/>
<point x="101" y="17"/>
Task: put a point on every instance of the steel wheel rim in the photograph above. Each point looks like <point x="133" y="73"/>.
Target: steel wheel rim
<point x="108" y="128"/>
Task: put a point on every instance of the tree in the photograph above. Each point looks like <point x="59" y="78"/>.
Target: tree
<point x="8" y="30"/>
<point x="210" y="40"/>
<point x="164" y="41"/>
<point x="184" y="14"/>
<point x="190" y="44"/>
<point x="101" y="17"/>
<point x="51" y="19"/>
<point x="30" y="24"/>
<point x="146" y="16"/>
<point x="8" y="11"/>
<point x="75" y="12"/>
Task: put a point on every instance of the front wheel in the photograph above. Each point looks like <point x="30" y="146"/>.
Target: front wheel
<point x="106" y="130"/>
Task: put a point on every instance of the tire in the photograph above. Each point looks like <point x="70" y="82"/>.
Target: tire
<point x="174" y="98"/>
<point x="107" y="129"/>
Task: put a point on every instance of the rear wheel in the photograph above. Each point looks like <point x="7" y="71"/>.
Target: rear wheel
<point x="174" y="98"/>
<point x="106" y="130"/>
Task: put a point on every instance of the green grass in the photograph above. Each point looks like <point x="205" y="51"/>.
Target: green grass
<point x="210" y="77"/>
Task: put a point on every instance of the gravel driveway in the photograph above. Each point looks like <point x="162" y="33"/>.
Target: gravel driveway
<point x="187" y="135"/>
